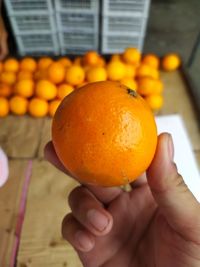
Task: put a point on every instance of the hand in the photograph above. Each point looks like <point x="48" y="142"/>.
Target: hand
<point x="3" y="40"/>
<point x="157" y="223"/>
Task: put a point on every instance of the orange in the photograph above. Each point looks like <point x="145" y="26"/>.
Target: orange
<point x="24" y="74"/>
<point x="1" y="66"/>
<point x="38" y="107"/>
<point x="11" y="64"/>
<point x="28" y="63"/>
<point x="78" y="61"/>
<point x="91" y="58"/>
<point x="171" y="62"/>
<point x="151" y="60"/>
<point x="53" y="105"/>
<point x="75" y="75"/>
<point x="45" y="89"/>
<point x="65" y="61"/>
<point x="155" y="102"/>
<point x="64" y="90"/>
<point x="154" y="73"/>
<point x="131" y="55"/>
<point x="115" y="57"/>
<point x="104" y="134"/>
<point x="101" y="62"/>
<point x="40" y="74"/>
<point x="130" y="71"/>
<point x="44" y="63"/>
<point x="8" y="77"/>
<point x="18" y="105"/>
<point x="96" y="74"/>
<point x="116" y="70"/>
<point x="56" y="72"/>
<point x="5" y="90"/>
<point x="4" y="107"/>
<point x="25" y="88"/>
<point x="148" y="86"/>
<point x="130" y="83"/>
<point x="143" y="70"/>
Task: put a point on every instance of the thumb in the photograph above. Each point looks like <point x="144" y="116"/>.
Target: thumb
<point x="175" y="201"/>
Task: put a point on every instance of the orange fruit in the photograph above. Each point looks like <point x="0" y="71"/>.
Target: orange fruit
<point x="91" y="58"/>
<point x="11" y="64"/>
<point x="8" y="77"/>
<point x="117" y="133"/>
<point x="64" y="90"/>
<point x="1" y="66"/>
<point x="56" y="73"/>
<point x="101" y="62"/>
<point x="53" y="105"/>
<point x="130" y="83"/>
<point x="24" y="74"/>
<point x="96" y="74"/>
<point x="25" y="88"/>
<point x="151" y="60"/>
<point x="154" y="73"/>
<point x="45" y="89"/>
<point x="40" y="74"/>
<point x="4" y="107"/>
<point x="65" y="61"/>
<point x="131" y="55"/>
<point x="115" y="57"/>
<point x="29" y="64"/>
<point x="5" y="90"/>
<point x="18" y="105"/>
<point x="116" y="70"/>
<point x="38" y="107"/>
<point x="143" y="70"/>
<point x="171" y="62"/>
<point x="154" y="101"/>
<point x="44" y="63"/>
<point x="130" y="71"/>
<point x="75" y="75"/>
<point x="78" y="61"/>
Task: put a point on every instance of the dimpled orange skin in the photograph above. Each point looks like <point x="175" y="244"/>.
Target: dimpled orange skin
<point x="104" y="134"/>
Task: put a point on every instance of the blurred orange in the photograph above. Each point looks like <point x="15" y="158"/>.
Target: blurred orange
<point x="91" y="58"/>
<point x="143" y="70"/>
<point x="53" y="105"/>
<point x="116" y="70"/>
<point x="151" y="60"/>
<point x="38" y="107"/>
<point x="18" y="105"/>
<point x="130" y="83"/>
<point x="24" y="74"/>
<point x="171" y="62"/>
<point x="46" y="90"/>
<point x="155" y="101"/>
<point x="101" y="62"/>
<point x="40" y="74"/>
<point x="75" y="75"/>
<point x="25" y="88"/>
<point x="78" y="61"/>
<point x="4" y="107"/>
<point x="11" y="64"/>
<point x="65" y="61"/>
<point x="130" y="71"/>
<point x="5" y="90"/>
<point x="56" y="73"/>
<point x="96" y="74"/>
<point x="8" y="77"/>
<point x="29" y="64"/>
<point x="131" y="55"/>
<point x="64" y="90"/>
<point x="44" y="63"/>
<point x="115" y="57"/>
<point x="1" y="66"/>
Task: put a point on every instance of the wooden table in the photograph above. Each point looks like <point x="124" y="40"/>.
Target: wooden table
<point x="23" y="139"/>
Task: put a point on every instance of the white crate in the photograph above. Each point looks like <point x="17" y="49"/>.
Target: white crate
<point x="126" y="7"/>
<point x="114" y="44"/>
<point x="37" y="44"/>
<point x="77" y="22"/>
<point x="15" y="7"/>
<point x="77" y="43"/>
<point x="77" y="6"/>
<point x="29" y="23"/>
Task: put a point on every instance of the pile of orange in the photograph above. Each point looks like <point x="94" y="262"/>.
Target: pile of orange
<point x="38" y="86"/>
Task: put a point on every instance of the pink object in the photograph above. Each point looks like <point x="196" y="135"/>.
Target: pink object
<point x="4" y="171"/>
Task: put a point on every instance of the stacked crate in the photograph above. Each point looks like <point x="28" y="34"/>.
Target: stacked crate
<point x="34" y="26"/>
<point x="78" y="25"/>
<point x="123" y="24"/>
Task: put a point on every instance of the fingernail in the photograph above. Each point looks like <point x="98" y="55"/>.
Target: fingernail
<point x="84" y="241"/>
<point x="97" y="219"/>
<point x="170" y="147"/>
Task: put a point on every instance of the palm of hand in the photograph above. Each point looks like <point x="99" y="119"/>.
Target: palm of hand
<point x="140" y="236"/>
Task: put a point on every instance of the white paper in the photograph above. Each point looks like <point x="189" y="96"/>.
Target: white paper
<point x="184" y="156"/>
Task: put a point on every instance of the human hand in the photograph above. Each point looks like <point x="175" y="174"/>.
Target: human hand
<point x="3" y="40"/>
<point x="157" y="223"/>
